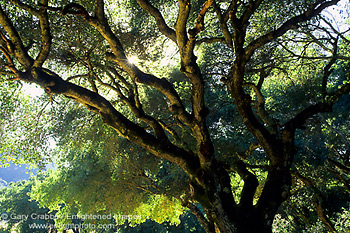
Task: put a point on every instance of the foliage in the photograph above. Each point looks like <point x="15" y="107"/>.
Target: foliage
<point x="99" y="178"/>
<point x="20" y="212"/>
<point x="24" y="134"/>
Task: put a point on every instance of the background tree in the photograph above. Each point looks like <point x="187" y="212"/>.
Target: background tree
<point x="253" y="42"/>
<point x="16" y="203"/>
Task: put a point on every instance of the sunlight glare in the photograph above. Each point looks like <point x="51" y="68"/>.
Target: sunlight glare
<point x="32" y="90"/>
<point x="133" y="59"/>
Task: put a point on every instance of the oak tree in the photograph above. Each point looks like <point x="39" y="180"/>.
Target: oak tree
<point x="232" y="50"/>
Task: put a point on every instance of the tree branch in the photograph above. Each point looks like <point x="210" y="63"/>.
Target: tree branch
<point x="163" y="27"/>
<point x="249" y="151"/>
<point x="300" y="119"/>
<point x="54" y="84"/>
<point x="292" y="23"/>
<point x="76" y="9"/>
<point x="46" y="38"/>
<point x="180" y="26"/>
<point x="223" y="22"/>
<point x="260" y="108"/>
<point x="250" y="185"/>
<point x="317" y="199"/>
<point x="200" y="20"/>
<point x="15" y="44"/>
<point x="327" y="71"/>
<point x="120" y="58"/>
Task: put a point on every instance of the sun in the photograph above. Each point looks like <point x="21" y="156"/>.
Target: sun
<point x="133" y="59"/>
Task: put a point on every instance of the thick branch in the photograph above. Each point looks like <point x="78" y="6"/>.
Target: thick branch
<point x="191" y="69"/>
<point x="46" y="38"/>
<point x="300" y="119"/>
<point x="120" y="58"/>
<point x="180" y="27"/>
<point x="250" y="185"/>
<point x="15" y="45"/>
<point x="98" y="104"/>
<point x="260" y="108"/>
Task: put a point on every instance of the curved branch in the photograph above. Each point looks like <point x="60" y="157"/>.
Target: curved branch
<point x="292" y="23"/>
<point x="250" y="185"/>
<point x="15" y="44"/>
<point x="46" y="38"/>
<point x="54" y="84"/>
<point x="200" y="20"/>
<point x="300" y="119"/>
<point x="317" y="200"/>
<point x="252" y="147"/>
<point x="223" y="22"/>
<point x="260" y="107"/>
<point x="163" y="27"/>
<point x="133" y="103"/>
<point x="76" y="9"/>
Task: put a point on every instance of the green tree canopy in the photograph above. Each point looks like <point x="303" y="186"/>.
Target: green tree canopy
<point x="19" y="212"/>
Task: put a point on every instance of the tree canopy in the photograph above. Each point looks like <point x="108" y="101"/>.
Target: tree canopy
<point x="231" y="109"/>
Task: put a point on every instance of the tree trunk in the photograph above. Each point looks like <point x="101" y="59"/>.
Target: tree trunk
<point x="228" y="216"/>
